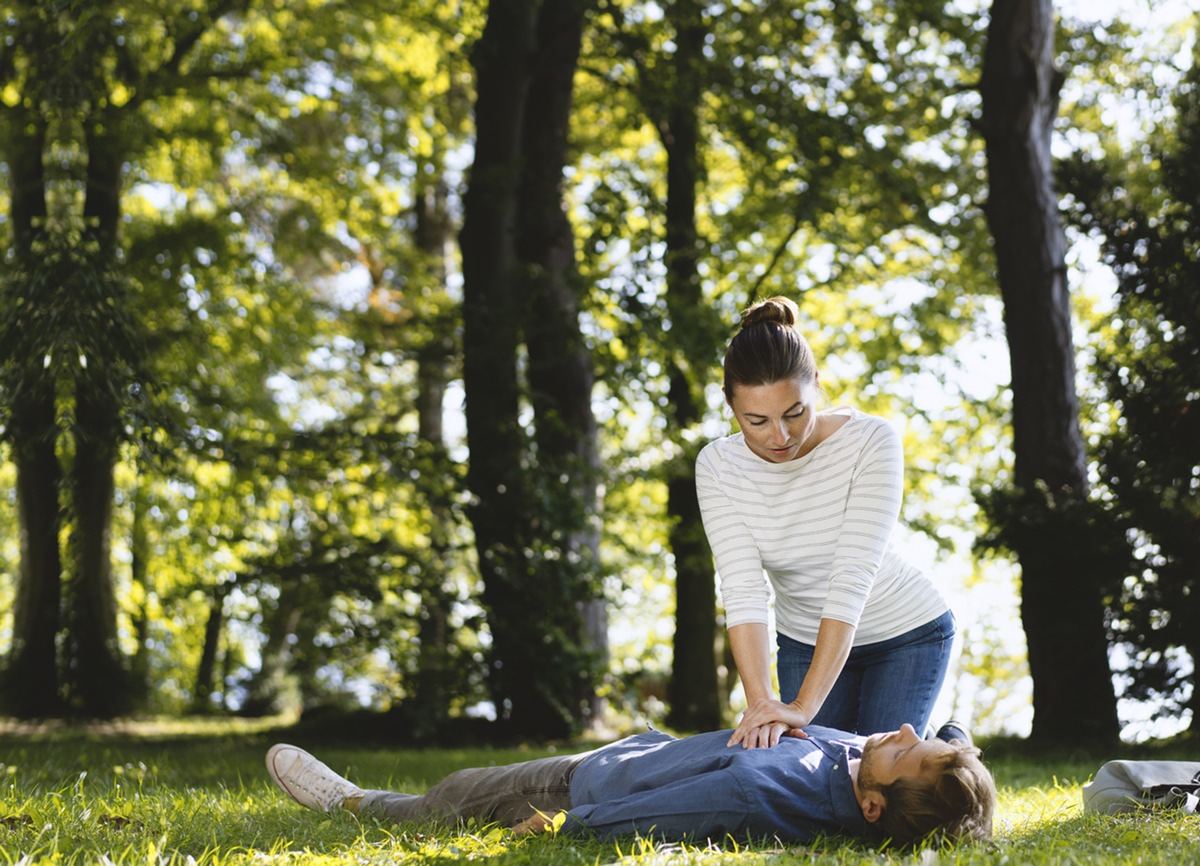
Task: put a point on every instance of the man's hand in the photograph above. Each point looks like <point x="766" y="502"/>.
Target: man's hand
<point x="766" y="721"/>
<point x="536" y="823"/>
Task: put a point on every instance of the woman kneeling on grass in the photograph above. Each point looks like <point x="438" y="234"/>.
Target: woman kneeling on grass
<point x="800" y="504"/>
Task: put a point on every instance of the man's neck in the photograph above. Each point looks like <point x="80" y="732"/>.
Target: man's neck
<point x="853" y="766"/>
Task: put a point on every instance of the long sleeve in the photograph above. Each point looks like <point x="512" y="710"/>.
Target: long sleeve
<point x="707" y="806"/>
<point x="745" y="593"/>
<point x="872" y="507"/>
<point x="814" y="534"/>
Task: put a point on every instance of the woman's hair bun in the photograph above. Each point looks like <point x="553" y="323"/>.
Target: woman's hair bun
<point x="775" y="352"/>
<point x="777" y="310"/>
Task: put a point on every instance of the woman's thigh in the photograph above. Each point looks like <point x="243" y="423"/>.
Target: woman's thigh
<point x="840" y="709"/>
<point x="901" y="678"/>
<point x="792" y="661"/>
<point x="882" y="685"/>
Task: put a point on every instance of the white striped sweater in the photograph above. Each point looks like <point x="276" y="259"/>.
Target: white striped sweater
<point x="820" y="528"/>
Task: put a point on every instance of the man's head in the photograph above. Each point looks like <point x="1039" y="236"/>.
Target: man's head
<point x="914" y="789"/>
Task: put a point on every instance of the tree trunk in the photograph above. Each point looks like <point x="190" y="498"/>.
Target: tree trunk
<point x="99" y="679"/>
<point x="695" y="703"/>
<point x="273" y="689"/>
<point x="1193" y="704"/>
<point x="560" y="373"/>
<point x="143" y="582"/>
<point x="502" y="59"/>
<point x="30" y="688"/>
<point x="433" y="691"/>
<point x="31" y="685"/>
<point x="531" y="600"/>
<point x="99" y="683"/>
<point x="206" y="671"/>
<point x="1061" y="607"/>
<point x="692" y="693"/>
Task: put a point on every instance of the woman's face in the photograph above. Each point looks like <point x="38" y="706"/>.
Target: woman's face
<point x="778" y="420"/>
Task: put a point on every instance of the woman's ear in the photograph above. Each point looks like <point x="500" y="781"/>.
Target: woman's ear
<point x="873" y="803"/>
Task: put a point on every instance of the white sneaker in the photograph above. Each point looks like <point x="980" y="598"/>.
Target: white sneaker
<point x="306" y="780"/>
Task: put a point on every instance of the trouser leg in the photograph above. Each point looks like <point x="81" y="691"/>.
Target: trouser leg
<point x="505" y="795"/>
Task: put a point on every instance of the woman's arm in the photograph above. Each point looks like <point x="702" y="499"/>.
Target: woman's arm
<point x="767" y="720"/>
<point x="745" y="593"/>
<point x="834" y="640"/>
<point x="751" y="645"/>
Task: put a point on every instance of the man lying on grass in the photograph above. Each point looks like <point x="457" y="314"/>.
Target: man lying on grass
<point x="820" y="781"/>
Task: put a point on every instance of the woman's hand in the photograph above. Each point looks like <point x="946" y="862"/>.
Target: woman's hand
<point x="766" y="721"/>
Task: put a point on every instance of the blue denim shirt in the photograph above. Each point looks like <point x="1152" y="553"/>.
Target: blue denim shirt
<point x="699" y="788"/>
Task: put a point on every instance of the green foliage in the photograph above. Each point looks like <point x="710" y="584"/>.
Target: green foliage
<point x="1143" y="208"/>
<point x="1055" y="526"/>
<point x="274" y="158"/>
<point x="247" y="130"/>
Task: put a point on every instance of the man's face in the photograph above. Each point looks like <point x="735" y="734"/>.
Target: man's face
<point x="897" y="755"/>
<point x="778" y="420"/>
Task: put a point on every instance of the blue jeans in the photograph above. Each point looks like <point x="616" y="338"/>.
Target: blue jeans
<point x="883" y="685"/>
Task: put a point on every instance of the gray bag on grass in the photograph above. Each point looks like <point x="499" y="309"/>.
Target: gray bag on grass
<point x="1126" y="786"/>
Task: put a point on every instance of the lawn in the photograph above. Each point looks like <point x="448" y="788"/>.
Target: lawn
<point x="197" y="793"/>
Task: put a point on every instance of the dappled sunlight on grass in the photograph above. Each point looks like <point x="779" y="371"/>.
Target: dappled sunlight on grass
<point x="147" y="729"/>
<point x="1036" y="806"/>
<point x="193" y="798"/>
<point x="1046" y="824"/>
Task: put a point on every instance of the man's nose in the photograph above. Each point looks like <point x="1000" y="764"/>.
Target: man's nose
<point x="908" y="733"/>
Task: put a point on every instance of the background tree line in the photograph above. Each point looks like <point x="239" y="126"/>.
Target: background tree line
<point x="352" y="353"/>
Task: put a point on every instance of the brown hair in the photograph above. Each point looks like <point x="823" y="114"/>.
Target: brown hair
<point x="954" y="800"/>
<point x="768" y="348"/>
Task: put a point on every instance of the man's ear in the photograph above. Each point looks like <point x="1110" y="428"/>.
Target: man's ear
<point x="873" y="803"/>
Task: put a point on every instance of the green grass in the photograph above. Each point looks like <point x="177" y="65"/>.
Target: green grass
<point x="196" y="794"/>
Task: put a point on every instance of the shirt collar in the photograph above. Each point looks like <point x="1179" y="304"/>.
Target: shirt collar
<point x="843" y="748"/>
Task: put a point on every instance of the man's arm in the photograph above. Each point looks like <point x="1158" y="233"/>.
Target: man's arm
<point x="707" y="805"/>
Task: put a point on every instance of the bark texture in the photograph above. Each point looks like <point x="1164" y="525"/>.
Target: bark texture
<point x="1061" y="606"/>
<point x="675" y="100"/>
<point x="518" y="261"/>
<point x="30" y="685"/>
<point x="561" y="378"/>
